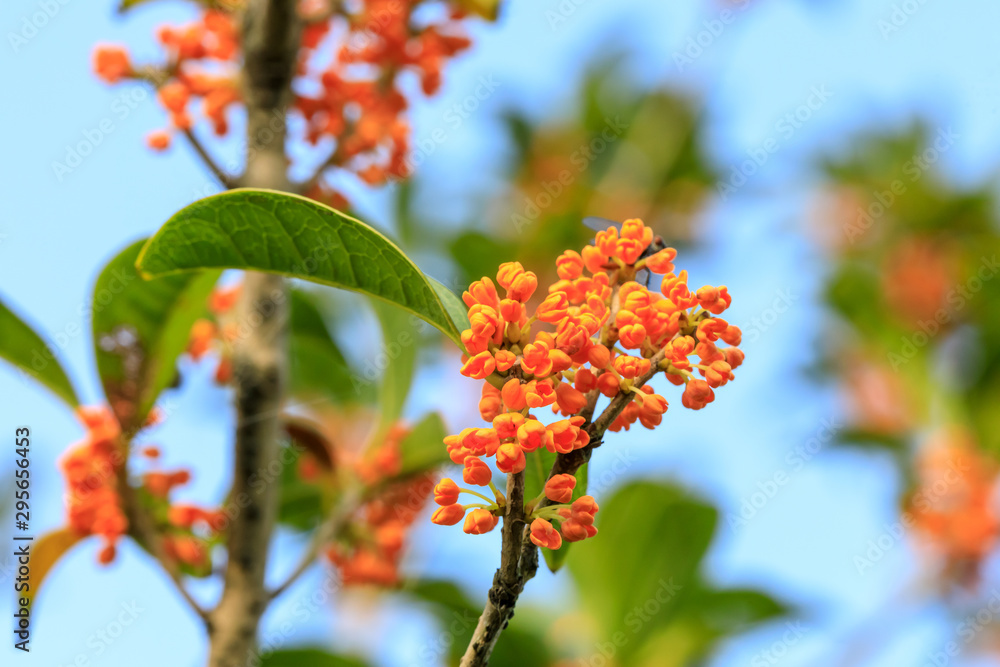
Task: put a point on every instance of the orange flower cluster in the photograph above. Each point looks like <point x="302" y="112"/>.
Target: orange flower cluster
<point x="347" y="88"/>
<point x="953" y="507"/>
<point x="371" y="549"/>
<point x="607" y="335"/>
<point x="216" y="334"/>
<point x="91" y="467"/>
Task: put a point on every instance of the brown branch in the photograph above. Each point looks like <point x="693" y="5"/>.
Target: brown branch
<point x="508" y="582"/>
<point x="141" y="529"/>
<point x="227" y="181"/>
<point x="506" y="589"/>
<point x="270" y="39"/>
<point x="326" y="532"/>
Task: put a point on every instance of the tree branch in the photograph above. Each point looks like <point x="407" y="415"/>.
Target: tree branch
<point x="140" y="529"/>
<point x="225" y="179"/>
<point x="326" y="532"/>
<point x="270" y="40"/>
<point x="506" y="589"/>
<point x="508" y="582"/>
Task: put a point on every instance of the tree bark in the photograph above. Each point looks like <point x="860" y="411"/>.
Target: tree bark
<point x="270" y="38"/>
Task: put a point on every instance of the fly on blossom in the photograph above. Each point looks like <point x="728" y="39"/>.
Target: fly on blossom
<point x="599" y="224"/>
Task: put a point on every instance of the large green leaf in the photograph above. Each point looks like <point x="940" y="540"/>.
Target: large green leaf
<point x="653" y="538"/>
<point x="140" y="328"/>
<point x="536" y="472"/>
<point x="308" y="657"/>
<point x="396" y="361"/>
<point x="318" y="367"/>
<point x="276" y="232"/>
<point x="21" y="346"/>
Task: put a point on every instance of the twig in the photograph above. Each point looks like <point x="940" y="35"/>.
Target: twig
<point x="508" y="582"/>
<point x="227" y="181"/>
<point x="510" y="579"/>
<point x="141" y="530"/>
<point x="327" y="531"/>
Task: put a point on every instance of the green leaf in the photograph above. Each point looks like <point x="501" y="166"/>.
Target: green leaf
<point x="140" y="328"/>
<point x="318" y="367"/>
<point x="538" y="464"/>
<point x="666" y="533"/>
<point x="21" y="346"/>
<point x="262" y="230"/>
<point x="399" y="357"/>
<point x="308" y="657"/>
<point x="45" y="553"/>
<point x="423" y="448"/>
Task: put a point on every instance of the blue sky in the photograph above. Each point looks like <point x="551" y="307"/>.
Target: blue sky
<point x="764" y="63"/>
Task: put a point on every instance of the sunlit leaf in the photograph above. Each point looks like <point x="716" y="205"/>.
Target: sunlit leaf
<point x="46" y="551"/>
<point x="21" y="346"/>
<point x="275" y="232"/>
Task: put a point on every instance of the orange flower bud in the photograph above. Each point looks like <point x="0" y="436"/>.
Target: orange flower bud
<point x="479" y="522"/>
<point x="569" y="265"/>
<point x="448" y="515"/>
<point x="629" y="250"/>
<point x="476" y="472"/>
<point x="718" y="374"/>
<point x="513" y="395"/>
<point x="662" y="262"/>
<point x="559" y="488"/>
<point x="446" y="492"/>
<point x="608" y="385"/>
<point x="734" y="357"/>
<point x="569" y="399"/>
<point x="607" y="241"/>
<point x="523" y="287"/>
<point x="599" y="356"/>
<point x="585" y="380"/>
<point x="594" y="259"/>
<point x="632" y="336"/>
<point x="506" y="425"/>
<point x="111" y="63"/>
<point x="631" y="367"/>
<point x="480" y="366"/>
<point x="510" y="457"/>
<point x="482" y="292"/>
<point x="544" y="535"/>
<point x="553" y="308"/>
<point x="508" y="272"/>
<point x="531" y="435"/>
<point x="511" y="310"/>
<point x="697" y="395"/>
<point x="174" y="96"/>
<point x="158" y="140"/>
<point x="538" y="394"/>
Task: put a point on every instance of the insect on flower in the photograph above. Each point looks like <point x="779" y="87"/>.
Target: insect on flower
<point x="599" y="224"/>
